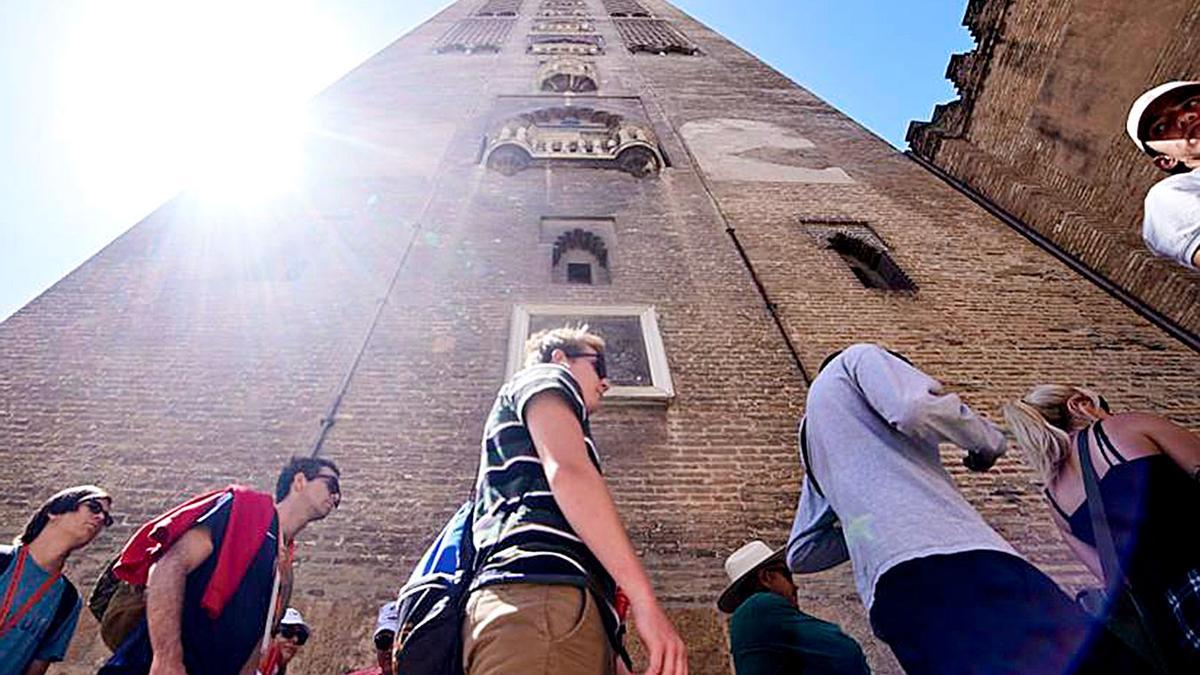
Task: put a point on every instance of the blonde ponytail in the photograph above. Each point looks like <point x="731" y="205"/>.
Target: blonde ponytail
<point x="1041" y="424"/>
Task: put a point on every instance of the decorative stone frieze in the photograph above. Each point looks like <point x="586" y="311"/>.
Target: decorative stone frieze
<point x="580" y="45"/>
<point x="573" y="135"/>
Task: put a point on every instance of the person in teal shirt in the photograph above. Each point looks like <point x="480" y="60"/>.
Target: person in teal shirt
<point x="768" y="633"/>
<point x="39" y="607"/>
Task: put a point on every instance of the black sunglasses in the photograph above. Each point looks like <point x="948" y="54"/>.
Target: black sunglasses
<point x="335" y="488"/>
<point x="599" y="364"/>
<point x="96" y="507"/>
<point x="294" y="632"/>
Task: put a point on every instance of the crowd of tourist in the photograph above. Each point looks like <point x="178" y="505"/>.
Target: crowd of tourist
<point x="537" y="574"/>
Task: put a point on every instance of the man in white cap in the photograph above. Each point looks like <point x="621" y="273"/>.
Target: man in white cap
<point x="768" y="633"/>
<point x="1164" y="123"/>
<point x="289" y="638"/>
<point x="387" y="622"/>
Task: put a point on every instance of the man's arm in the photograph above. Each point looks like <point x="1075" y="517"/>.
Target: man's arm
<point x="918" y="406"/>
<point x="816" y="542"/>
<point x="585" y="501"/>
<point x="164" y="598"/>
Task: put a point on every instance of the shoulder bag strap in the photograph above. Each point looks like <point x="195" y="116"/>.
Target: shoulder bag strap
<point x="66" y="606"/>
<point x="1115" y="579"/>
<point x="1105" y="546"/>
<point x="808" y="459"/>
<point x="6" y="556"/>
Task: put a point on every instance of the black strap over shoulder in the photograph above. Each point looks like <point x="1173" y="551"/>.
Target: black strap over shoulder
<point x="1105" y="545"/>
<point x="66" y="606"/>
<point x="807" y="459"/>
<point x="1114" y="574"/>
<point x="6" y="556"/>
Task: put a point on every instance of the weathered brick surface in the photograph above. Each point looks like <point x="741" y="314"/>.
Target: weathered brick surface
<point x="203" y="347"/>
<point x="1040" y="128"/>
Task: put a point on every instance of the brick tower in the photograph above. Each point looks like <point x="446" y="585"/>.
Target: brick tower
<point x="513" y="164"/>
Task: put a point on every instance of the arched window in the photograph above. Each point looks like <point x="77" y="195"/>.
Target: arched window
<point x="580" y="257"/>
<point x="564" y="74"/>
<point x="873" y="267"/>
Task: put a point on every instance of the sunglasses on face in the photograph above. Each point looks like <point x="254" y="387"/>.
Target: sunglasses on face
<point x="97" y="508"/>
<point x="331" y="483"/>
<point x="597" y="362"/>
<point x="297" y="633"/>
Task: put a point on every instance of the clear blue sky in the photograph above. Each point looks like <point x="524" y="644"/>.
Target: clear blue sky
<point x="109" y="105"/>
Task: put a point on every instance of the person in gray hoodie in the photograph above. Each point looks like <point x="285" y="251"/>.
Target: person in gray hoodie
<point x="945" y="591"/>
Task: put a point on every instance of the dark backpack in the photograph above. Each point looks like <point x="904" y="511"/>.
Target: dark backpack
<point x="66" y="601"/>
<point x="432" y="603"/>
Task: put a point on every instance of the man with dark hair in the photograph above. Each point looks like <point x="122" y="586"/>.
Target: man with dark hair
<point x="552" y="549"/>
<point x="218" y="573"/>
<point x="768" y="634"/>
<point x="40" y="606"/>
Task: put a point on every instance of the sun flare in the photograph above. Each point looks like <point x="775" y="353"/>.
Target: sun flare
<point x="208" y="97"/>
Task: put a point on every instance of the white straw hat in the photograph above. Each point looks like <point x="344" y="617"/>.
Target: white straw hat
<point x="740" y="568"/>
<point x="1133" y="123"/>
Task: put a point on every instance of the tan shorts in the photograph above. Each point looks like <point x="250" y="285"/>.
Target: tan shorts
<point x="534" y="629"/>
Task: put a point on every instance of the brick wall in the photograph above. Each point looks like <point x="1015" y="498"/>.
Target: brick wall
<point x="1040" y="128"/>
<point x="203" y="346"/>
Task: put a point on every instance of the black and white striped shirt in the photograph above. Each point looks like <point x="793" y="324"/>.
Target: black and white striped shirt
<point x="520" y="533"/>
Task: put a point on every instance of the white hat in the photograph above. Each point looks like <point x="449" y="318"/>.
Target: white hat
<point x="741" y="566"/>
<point x="1133" y="123"/>
<point x="292" y="617"/>
<point x="388" y="619"/>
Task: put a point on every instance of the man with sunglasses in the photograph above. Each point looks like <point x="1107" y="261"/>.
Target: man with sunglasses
<point x="1164" y="123"/>
<point x="289" y="638"/>
<point x="552" y="551"/>
<point x="39" y="607"/>
<point x="220" y="587"/>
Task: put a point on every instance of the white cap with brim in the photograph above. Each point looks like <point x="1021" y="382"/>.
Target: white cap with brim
<point x="1133" y="123"/>
<point x="388" y="618"/>
<point x="741" y="567"/>
<point x="292" y="617"/>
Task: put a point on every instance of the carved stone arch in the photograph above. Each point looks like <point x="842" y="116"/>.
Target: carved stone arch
<point x="571" y="134"/>
<point x="579" y="248"/>
<point x="565" y="74"/>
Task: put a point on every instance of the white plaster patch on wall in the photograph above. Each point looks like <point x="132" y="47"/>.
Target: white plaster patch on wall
<point x="722" y="147"/>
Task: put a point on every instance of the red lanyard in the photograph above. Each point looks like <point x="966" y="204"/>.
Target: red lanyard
<point x="7" y="623"/>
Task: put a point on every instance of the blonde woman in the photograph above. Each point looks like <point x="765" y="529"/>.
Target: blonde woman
<point x="1148" y="469"/>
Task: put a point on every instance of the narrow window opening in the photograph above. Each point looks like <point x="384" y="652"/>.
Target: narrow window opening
<point x="579" y="273"/>
<point x="872" y="267"/>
